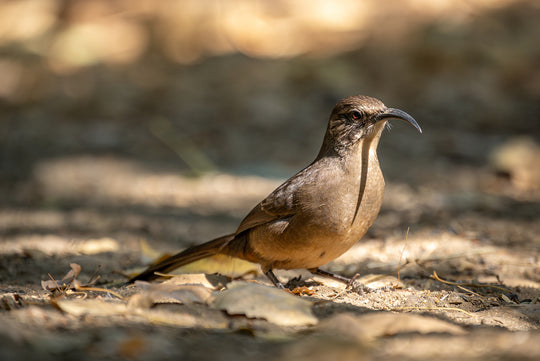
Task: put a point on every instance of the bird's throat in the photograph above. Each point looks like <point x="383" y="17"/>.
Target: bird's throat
<point x="369" y="170"/>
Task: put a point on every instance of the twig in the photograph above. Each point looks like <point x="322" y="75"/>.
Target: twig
<point x="461" y="285"/>
<point x="97" y="289"/>
<point x="56" y="283"/>
<point x="468" y="290"/>
<point x="95" y="276"/>
<point x="432" y="309"/>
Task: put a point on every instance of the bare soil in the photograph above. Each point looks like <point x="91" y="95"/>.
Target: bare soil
<point x="486" y="291"/>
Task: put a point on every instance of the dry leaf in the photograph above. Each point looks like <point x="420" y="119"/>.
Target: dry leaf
<point x="222" y="264"/>
<point x="101" y="308"/>
<point x="378" y="324"/>
<point x="303" y="290"/>
<point x="168" y="293"/>
<point x="65" y="282"/>
<point x="185" y="316"/>
<point x="148" y="253"/>
<point x="70" y="282"/>
<point x="270" y="303"/>
<point x="213" y="281"/>
<point x="92" y="307"/>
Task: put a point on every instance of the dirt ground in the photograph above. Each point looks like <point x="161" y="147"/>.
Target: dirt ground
<point x="483" y="305"/>
<point x="105" y="167"/>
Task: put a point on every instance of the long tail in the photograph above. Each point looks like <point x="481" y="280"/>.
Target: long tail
<point x="188" y="255"/>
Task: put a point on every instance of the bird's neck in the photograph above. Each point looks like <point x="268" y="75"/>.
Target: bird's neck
<point x="365" y="146"/>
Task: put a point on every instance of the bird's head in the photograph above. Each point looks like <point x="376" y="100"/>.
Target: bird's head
<point x="359" y="117"/>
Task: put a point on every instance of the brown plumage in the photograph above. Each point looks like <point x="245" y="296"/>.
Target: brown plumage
<point x="319" y="213"/>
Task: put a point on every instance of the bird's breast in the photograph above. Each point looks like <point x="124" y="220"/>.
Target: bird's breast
<point x="338" y="209"/>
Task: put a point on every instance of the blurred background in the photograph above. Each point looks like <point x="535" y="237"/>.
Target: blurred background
<point x="160" y="112"/>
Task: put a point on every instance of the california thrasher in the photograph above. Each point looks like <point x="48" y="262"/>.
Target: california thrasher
<point x="320" y="212"/>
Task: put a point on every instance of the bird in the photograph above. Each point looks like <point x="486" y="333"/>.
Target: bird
<point x="319" y="213"/>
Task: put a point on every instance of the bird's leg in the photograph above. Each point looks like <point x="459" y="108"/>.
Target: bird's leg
<point x="274" y="279"/>
<point x="350" y="282"/>
<point x="340" y="278"/>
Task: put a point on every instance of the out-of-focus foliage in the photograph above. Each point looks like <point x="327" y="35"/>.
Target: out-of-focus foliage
<point x="68" y="36"/>
<point x="221" y="85"/>
<point x="77" y="33"/>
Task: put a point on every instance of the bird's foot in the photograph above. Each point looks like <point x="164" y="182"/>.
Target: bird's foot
<point x="337" y="277"/>
<point x="358" y="287"/>
<point x="297" y="282"/>
<point x="351" y="283"/>
<point x="294" y="282"/>
<point x="272" y="277"/>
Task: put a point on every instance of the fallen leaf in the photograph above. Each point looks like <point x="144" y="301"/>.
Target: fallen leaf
<point x="379" y="324"/>
<point x="168" y="293"/>
<point x="150" y="254"/>
<point x="70" y="282"/>
<point x="92" y="307"/>
<point x="303" y="290"/>
<point x="270" y="303"/>
<point x="65" y="282"/>
<point x="222" y="264"/>
<point x="213" y="281"/>
<point x="184" y="317"/>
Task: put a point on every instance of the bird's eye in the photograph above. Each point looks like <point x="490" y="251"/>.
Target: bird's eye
<point x="355" y="114"/>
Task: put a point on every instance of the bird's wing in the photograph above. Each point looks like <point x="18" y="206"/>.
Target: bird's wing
<point x="280" y="204"/>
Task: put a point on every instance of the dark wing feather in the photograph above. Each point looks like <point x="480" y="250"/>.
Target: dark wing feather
<point x="280" y="204"/>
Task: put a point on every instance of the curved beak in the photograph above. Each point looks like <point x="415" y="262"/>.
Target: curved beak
<point x="398" y="114"/>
